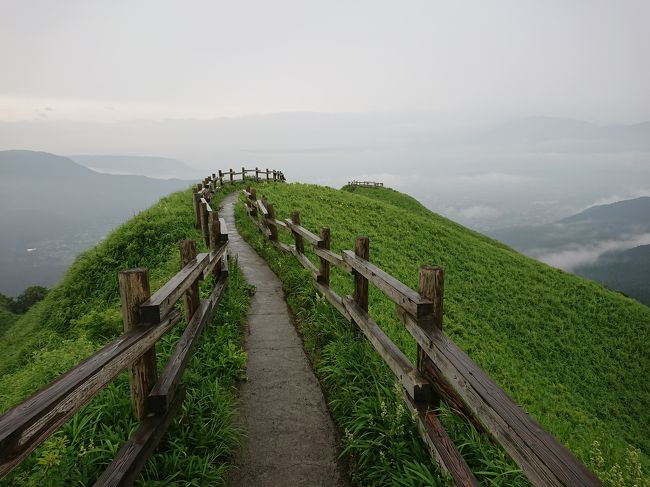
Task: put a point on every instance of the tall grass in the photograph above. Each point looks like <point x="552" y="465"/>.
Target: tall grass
<point x="572" y="353"/>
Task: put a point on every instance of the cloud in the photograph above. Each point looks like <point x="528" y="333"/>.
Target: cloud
<point x="614" y="198"/>
<point x="474" y="212"/>
<point x="577" y="256"/>
<point x="491" y="179"/>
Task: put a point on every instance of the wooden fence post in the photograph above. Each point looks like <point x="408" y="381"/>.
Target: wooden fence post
<point x="231" y="176"/>
<point x="191" y="298"/>
<point x="257" y="174"/>
<point x="215" y="240"/>
<point x="243" y="173"/>
<point x="197" y="206"/>
<point x="324" y="272"/>
<point x="362" y="250"/>
<point x="134" y="290"/>
<point x="300" y="243"/>
<point x="272" y="226"/>
<point x="267" y="174"/>
<point x="431" y="286"/>
<point x="220" y="178"/>
<point x="204" y="223"/>
<point x="254" y="202"/>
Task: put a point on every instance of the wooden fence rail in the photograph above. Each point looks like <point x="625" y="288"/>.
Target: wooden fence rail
<point x="443" y="370"/>
<point x="369" y="184"/>
<point x="155" y="399"/>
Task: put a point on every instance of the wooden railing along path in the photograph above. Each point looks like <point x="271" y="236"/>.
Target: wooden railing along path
<point x="443" y="370"/>
<point x="368" y="184"/>
<point x="155" y="399"/>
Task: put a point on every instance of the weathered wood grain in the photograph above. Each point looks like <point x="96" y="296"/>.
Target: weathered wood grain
<point x="400" y="293"/>
<point x="333" y="258"/>
<point x="214" y="230"/>
<point x="154" y="309"/>
<point x="262" y="208"/>
<point x="324" y="265"/>
<point x="215" y="257"/>
<point x="27" y="425"/>
<point x="191" y="298"/>
<point x="223" y="229"/>
<point x="543" y="459"/>
<point x="361" y="255"/>
<point x="334" y="299"/>
<point x="161" y="395"/>
<point x="304" y="233"/>
<point x="271" y="218"/>
<point x="132" y="457"/>
<point x="204" y="221"/>
<point x="441" y="446"/>
<point x="416" y="385"/>
<point x="306" y="263"/>
<point x="224" y="263"/>
<point x="297" y="237"/>
<point x="134" y="290"/>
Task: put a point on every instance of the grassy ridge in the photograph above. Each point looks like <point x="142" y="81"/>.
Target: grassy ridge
<point x="572" y="353"/>
<point x="81" y="314"/>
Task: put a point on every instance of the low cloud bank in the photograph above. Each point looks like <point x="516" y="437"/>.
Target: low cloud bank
<point x="575" y="256"/>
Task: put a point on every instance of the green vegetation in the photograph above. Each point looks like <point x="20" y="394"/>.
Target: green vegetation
<point x="572" y="353"/>
<point x="7" y="316"/>
<point x="28" y="298"/>
<point x="83" y="313"/>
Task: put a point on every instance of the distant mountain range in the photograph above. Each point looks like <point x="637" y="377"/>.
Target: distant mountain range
<point x="54" y="208"/>
<point x="607" y="243"/>
<point x="153" y="167"/>
<point x="555" y="134"/>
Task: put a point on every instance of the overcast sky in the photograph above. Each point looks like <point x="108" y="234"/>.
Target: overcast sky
<point x="117" y="60"/>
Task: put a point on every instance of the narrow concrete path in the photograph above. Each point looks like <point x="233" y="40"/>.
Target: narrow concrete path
<point x="290" y="436"/>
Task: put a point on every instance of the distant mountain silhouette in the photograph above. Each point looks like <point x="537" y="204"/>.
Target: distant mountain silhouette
<point x="154" y="167"/>
<point x="598" y="223"/>
<point x="626" y="271"/>
<point x="555" y="134"/>
<point x="606" y="243"/>
<point x="54" y="208"/>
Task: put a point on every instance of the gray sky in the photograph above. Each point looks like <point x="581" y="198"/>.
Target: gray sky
<point x="119" y="60"/>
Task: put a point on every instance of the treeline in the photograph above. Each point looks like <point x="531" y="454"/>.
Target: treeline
<point x="28" y="298"/>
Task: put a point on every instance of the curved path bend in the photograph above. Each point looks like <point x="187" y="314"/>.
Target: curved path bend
<point x="290" y="439"/>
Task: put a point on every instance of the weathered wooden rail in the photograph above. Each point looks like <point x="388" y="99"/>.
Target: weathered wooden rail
<point x="367" y="184"/>
<point x="443" y="370"/>
<point x="155" y="399"/>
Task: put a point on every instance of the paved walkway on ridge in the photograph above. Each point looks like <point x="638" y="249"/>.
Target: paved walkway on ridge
<point x="290" y="439"/>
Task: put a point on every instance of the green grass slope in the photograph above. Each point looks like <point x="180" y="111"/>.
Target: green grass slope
<point x="81" y="314"/>
<point x="572" y="353"/>
<point x="389" y="195"/>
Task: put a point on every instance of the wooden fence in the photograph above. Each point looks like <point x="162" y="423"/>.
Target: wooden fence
<point x="367" y="184"/>
<point x="155" y="399"/>
<point x="443" y="370"/>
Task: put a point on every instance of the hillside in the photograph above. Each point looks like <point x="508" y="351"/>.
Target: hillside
<point x="75" y="208"/>
<point x="81" y="314"/>
<point x="572" y="353"/>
